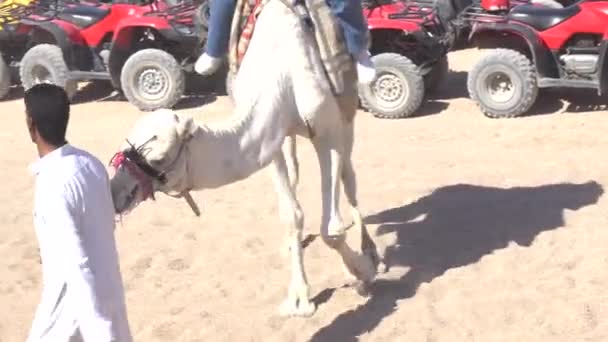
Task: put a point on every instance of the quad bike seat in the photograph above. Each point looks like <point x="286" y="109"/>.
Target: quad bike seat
<point x="542" y="18"/>
<point x="83" y="16"/>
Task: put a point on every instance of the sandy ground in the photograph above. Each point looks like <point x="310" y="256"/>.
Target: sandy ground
<point x="495" y="230"/>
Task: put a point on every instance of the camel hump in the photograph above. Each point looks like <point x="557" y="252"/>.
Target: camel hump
<point x="330" y="42"/>
<point x="316" y="13"/>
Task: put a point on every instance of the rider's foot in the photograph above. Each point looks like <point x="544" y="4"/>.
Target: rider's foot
<point x="366" y="71"/>
<point x="207" y="65"/>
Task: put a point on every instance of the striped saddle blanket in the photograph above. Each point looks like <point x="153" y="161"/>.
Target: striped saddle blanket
<point x="328" y="35"/>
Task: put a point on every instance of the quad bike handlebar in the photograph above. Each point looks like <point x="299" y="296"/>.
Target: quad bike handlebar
<point x="47" y="10"/>
<point x="12" y="12"/>
<point x="172" y="10"/>
<point x="183" y="16"/>
<point x="181" y="12"/>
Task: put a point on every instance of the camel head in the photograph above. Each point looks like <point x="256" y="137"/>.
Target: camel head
<point x="153" y="158"/>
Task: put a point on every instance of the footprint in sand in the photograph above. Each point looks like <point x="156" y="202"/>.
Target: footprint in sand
<point x="590" y="316"/>
<point x="140" y="267"/>
<point x="176" y="311"/>
<point x="178" y="265"/>
<point x="190" y="236"/>
<point x="165" y="331"/>
<point x="254" y="245"/>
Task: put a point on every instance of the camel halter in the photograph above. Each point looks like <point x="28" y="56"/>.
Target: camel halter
<point x="137" y="166"/>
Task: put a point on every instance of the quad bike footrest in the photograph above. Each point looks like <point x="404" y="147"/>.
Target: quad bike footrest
<point x="89" y="75"/>
<point x="546" y="82"/>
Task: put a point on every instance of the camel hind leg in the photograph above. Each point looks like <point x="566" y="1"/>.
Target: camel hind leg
<point x="349" y="180"/>
<point x="330" y="152"/>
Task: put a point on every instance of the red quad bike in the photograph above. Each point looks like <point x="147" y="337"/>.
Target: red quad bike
<point x="144" y="48"/>
<point x="542" y="48"/>
<point x="409" y="45"/>
<point x="410" y="42"/>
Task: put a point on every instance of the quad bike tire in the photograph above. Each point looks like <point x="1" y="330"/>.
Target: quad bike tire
<point x="499" y="69"/>
<point x="5" y="78"/>
<point x="152" y="79"/>
<point x="44" y="63"/>
<point x="398" y="90"/>
<point x="433" y="79"/>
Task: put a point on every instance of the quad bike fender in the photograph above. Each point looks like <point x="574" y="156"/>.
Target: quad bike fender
<point x="123" y="41"/>
<point x="64" y="35"/>
<point x="123" y="34"/>
<point x="542" y="57"/>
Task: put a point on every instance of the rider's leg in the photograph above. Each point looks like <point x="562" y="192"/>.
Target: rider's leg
<point x="220" y="22"/>
<point x="350" y="16"/>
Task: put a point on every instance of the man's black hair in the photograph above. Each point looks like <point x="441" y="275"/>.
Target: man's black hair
<point x="48" y="107"/>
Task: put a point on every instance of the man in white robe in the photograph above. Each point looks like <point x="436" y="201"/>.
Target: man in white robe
<point x="82" y="297"/>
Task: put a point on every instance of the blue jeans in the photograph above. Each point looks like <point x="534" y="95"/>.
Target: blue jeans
<point x="221" y="13"/>
<point x="349" y="14"/>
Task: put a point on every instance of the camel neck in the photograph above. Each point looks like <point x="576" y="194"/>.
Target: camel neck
<point x="231" y="150"/>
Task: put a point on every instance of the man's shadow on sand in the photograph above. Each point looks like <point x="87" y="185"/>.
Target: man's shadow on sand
<point x="454" y="226"/>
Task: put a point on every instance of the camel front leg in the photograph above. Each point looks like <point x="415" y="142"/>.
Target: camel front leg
<point x="291" y="158"/>
<point x="297" y="302"/>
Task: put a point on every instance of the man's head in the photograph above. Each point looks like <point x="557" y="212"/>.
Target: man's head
<point x="47" y="111"/>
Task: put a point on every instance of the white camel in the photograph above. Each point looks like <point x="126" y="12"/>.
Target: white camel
<point x="280" y="92"/>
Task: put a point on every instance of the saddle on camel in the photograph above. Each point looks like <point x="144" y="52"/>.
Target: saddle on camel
<point x="328" y="35"/>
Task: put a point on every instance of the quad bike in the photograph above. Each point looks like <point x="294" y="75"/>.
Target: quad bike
<point x="143" y="48"/>
<point x="410" y="42"/>
<point x="409" y="46"/>
<point x="543" y="47"/>
<point x="12" y="39"/>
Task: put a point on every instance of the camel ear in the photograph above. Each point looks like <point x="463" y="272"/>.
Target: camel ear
<point x="185" y="128"/>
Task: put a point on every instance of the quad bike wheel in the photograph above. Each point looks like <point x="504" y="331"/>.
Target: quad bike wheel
<point x="44" y="64"/>
<point x="5" y="78"/>
<point x="503" y="84"/>
<point x="437" y="74"/>
<point x="152" y="79"/>
<point x="398" y="90"/>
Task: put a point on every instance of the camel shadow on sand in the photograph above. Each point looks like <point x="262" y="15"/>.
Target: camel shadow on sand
<point x="452" y="227"/>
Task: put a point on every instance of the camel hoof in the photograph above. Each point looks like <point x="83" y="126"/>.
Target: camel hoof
<point x="382" y="267"/>
<point x="291" y="308"/>
<point x="366" y="270"/>
<point x="363" y="288"/>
